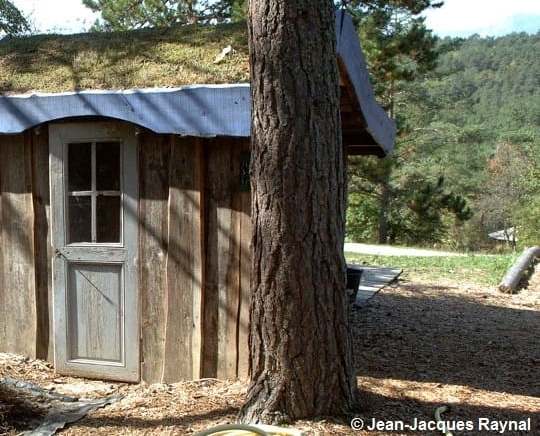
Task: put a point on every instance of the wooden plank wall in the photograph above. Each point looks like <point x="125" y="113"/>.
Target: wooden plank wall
<point x="25" y="273"/>
<point x="154" y="156"/>
<point x="228" y="234"/>
<point x="194" y="247"/>
<point x="42" y="242"/>
<point x="171" y="251"/>
<point x="194" y="254"/>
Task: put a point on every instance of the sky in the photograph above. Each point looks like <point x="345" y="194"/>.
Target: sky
<point x="485" y="17"/>
<point x="455" y="18"/>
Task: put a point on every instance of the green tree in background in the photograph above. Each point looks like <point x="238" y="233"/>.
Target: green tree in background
<point x="511" y="196"/>
<point x="423" y="214"/>
<point x="526" y="215"/>
<point x="12" y="21"/>
<point x="391" y="201"/>
<point x="134" y="14"/>
<point x="504" y="187"/>
<point x="477" y="118"/>
<point x="396" y="43"/>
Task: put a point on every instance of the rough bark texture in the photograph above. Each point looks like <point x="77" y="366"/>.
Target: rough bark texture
<point x="300" y="353"/>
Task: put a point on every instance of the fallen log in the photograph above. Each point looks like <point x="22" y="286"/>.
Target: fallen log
<point x="516" y="273"/>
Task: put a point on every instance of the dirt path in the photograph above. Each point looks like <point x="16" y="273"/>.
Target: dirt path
<point x="417" y="346"/>
<point x="389" y="250"/>
<point x="475" y="349"/>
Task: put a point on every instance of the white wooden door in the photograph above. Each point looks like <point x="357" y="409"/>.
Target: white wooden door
<point x="94" y="198"/>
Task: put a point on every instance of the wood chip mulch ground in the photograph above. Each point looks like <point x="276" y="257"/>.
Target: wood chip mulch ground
<point x="418" y="345"/>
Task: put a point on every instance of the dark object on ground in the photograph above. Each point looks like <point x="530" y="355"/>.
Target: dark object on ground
<point x="57" y="418"/>
<point x="354" y="275"/>
<point x="52" y="411"/>
<point x="24" y="389"/>
<point x="511" y="281"/>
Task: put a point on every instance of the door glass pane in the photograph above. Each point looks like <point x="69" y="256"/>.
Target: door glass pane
<point x="108" y="166"/>
<point x="80" y="218"/>
<point x="80" y="167"/>
<point x="108" y="218"/>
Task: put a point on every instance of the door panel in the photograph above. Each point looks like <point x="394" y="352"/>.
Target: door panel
<point x="95" y="304"/>
<point x="94" y="201"/>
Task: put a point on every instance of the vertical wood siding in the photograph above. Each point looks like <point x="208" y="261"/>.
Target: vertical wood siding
<point x="183" y="293"/>
<point x="25" y="241"/>
<point x="194" y="249"/>
<point x="18" y="306"/>
<point x="154" y="156"/>
<point x="227" y="262"/>
<point x="193" y="254"/>
<point x="42" y="242"/>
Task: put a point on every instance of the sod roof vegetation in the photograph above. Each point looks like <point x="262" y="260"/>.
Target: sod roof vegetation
<point x="171" y="57"/>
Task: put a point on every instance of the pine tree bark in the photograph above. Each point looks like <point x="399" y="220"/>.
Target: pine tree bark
<point x="300" y="356"/>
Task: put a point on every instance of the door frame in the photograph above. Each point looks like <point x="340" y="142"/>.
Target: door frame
<point x="60" y="134"/>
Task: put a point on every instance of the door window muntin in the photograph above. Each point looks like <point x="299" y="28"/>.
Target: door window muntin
<point x="94" y="193"/>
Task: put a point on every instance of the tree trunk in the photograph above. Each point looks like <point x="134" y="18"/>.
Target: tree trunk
<point x="385" y="197"/>
<point x="384" y="209"/>
<point x="300" y="356"/>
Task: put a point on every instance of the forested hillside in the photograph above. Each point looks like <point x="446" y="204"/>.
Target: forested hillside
<point x="469" y="129"/>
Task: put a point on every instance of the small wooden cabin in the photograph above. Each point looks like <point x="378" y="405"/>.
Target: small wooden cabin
<point x="125" y="214"/>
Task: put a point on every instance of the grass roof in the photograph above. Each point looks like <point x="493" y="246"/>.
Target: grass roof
<point x="169" y="57"/>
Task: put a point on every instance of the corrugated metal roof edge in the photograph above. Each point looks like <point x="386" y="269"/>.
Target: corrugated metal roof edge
<point x="199" y="110"/>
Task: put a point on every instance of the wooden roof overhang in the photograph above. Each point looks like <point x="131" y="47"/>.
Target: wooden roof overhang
<point x="367" y="129"/>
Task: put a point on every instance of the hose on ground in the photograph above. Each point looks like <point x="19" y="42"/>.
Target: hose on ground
<point x="227" y="427"/>
<point x="438" y="418"/>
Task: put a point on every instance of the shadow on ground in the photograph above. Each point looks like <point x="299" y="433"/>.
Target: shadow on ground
<point x="437" y="337"/>
<point x="420" y="346"/>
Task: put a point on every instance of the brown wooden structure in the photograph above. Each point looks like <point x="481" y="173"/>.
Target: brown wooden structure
<point x="193" y="244"/>
<point x="184" y="314"/>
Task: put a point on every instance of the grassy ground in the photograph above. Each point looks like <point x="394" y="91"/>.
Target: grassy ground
<point x="479" y="269"/>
